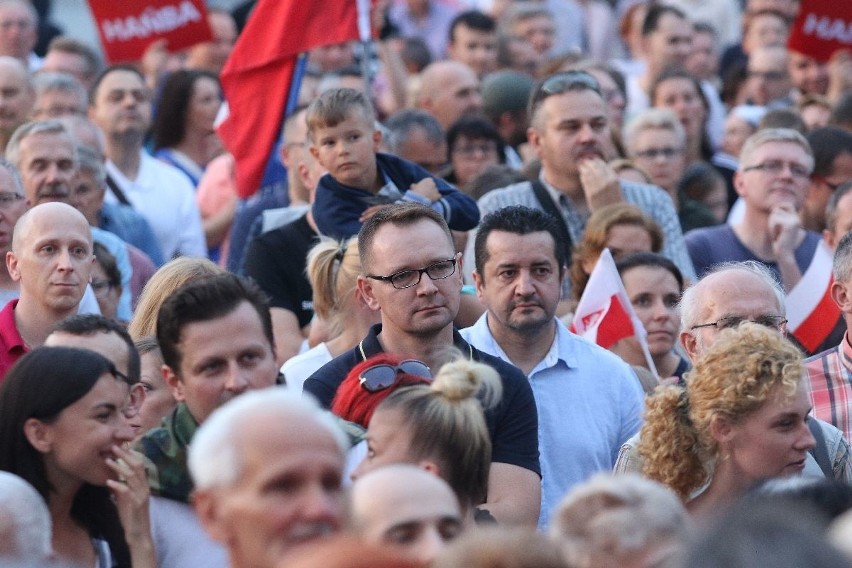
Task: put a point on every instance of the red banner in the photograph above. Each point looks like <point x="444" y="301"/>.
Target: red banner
<point x="822" y="27"/>
<point x="127" y="27"/>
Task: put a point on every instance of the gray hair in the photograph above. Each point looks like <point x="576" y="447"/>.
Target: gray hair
<point x="403" y="123"/>
<point x="625" y="512"/>
<point x="92" y="163"/>
<point x="215" y="459"/>
<point x="767" y="135"/>
<point x="26" y="518"/>
<point x="690" y="308"/>
<point x="842" y="265"/>
<point x="53" y="126"/>
<point x="16" y="175"/>
<point x="45" y="81"/>
<point x="654" y="119"/>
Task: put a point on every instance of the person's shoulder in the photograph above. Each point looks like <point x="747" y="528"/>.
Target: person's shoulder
<point x="708" y="234"/>
<point x="603" y="362"/>
<point x="642" y="192"/>
<point x="176" y="180"/>
<point x="501" y="195"/>
<point x="509" y="374"/>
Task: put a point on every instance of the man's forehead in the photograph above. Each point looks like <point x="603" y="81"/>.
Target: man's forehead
<point x="106" y="343"/>
<point x="737" y="293"/>
<point x="570" y="104"/>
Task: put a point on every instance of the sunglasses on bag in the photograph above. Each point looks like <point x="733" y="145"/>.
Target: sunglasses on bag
<point x="382" y="376"/>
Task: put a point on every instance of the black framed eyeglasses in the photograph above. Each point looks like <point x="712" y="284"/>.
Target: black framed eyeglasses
<point x="382" y="376"/>
<point x="560" y="83"/>
<point x="408" y="278"/>
<point x="772" y="322"/>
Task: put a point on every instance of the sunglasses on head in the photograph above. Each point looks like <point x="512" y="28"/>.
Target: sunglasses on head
<point x="383" y="376"/>
<point x="563" y="82"/>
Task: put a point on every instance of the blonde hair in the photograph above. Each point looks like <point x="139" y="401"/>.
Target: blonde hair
<point x="166" y="280"/>
<point x="447" y="424"/>
<point x="733" y="379"/>
<point x="333" y="268"/>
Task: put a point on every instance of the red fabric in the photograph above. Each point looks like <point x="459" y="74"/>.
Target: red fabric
<point x="257" y="77"/>
<point x="821" y="28"/>
<point x="615" y="325"/>
<point x="12" y="345"/>
<point x="819" y="324"/>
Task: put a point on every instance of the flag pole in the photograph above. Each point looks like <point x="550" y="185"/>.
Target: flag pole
<point x="365" y="35"/>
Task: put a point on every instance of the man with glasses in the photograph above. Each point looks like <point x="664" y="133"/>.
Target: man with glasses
<point x="768" y="82"/>
<point x="410" y="271"/>
<point x="570" y="133"/>
<point x="772" y="179"/>
<point x="728" y="295"/>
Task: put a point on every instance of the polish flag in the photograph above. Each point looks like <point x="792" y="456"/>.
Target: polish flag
<point x="605" y="315"/>
<point x="811" y="313"/>
<point x="261" y="74"/>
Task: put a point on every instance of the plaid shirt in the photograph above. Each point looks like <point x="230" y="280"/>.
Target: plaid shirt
<point x="830" y="382"/>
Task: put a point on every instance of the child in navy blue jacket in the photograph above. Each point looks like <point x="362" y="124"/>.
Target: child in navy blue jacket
<point x="360" y="179"/>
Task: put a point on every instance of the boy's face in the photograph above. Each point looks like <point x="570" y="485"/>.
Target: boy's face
<point x="347" y="150"/>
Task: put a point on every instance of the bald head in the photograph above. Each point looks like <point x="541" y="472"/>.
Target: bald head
<point x="41" y="216"/>
<point x="449" y="90"/>
<point x="18" y="94"/>
<point x="405" y="508"/>
<point x="742" y="291"/>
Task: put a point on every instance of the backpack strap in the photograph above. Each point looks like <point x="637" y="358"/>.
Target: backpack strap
<point x="119" y="194"/>
<point x="820" y="451"/>
<point x="546" y="202"/>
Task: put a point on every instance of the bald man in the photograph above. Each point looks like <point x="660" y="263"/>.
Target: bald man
<point x="51" y="259"/>
<point x="448" y="91"/>
<point x="405" y="508"/>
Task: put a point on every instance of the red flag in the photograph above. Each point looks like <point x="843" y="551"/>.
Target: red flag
<point x="821" y="28"/>
<point x="258" y="76"/>
<point x="811" y="312"/>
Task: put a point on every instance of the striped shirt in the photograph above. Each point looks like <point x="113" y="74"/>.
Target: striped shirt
<point x="830" y="382"/>
<point x="652" y="200"/>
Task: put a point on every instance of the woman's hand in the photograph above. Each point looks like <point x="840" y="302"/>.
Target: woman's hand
<point x="132" y="495"/>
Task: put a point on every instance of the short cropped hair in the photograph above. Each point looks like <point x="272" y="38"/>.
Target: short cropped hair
<point x="518" y="220"/>
<point x="767" y="135"/>
<point x="336" y="105"/>
<point x="401" y="124"/>
<point x="827" y="144"/>
<point x="215" y="459"/>
<point x="93" y="92"/>
<point x="46" y="81"/>
<point x="90" y="324"/>
<point x="842" y="264"/>
<point x="68" y="44"/>
<point x="473" y="19"/>
<point x="655" y="13"/>
<point x="403" y="214"/>
<point x="833" y="202"/>
<point x="52" y="126"/>
<point x="206" y="299"/>
<point x="654" y="119"/>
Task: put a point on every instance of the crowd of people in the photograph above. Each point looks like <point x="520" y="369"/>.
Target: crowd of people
<point x="371" y="360"/>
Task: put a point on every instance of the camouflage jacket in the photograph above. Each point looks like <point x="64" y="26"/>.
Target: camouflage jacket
<point x="165" y="451"/>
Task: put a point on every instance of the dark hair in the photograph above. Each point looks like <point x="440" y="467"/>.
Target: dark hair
<point x="827" y="144"/>
<point x="493" y="177"/>
<point x="169" y="127"/>
<point x="651" y="260"/>
<point x="67" y="44"/>
<point x="90" y="324"/>
<point x="675" y="72"/>
<point x="831" y="207"/>
<point x="415" y="54"/>
<point x="698" y="181"/>
<point x="473" y="19"/>
<point x="41" y="385"/>
<point x="830" y="497"/>
<point x="518" y="220"/>
<point x="841" y="115"/>
<point x="475" y="128"/>
<point x="655" y="13"/>
<point x="207" y="299"/>
<point x="783" y="118"/>
<point x="336" y="105"/>
<point x="108" y="263"/>
<point x="571" y="81"/>
<point x="93" y="92"/>
<point x="147" y="344"/>
<point x="402" y="214"/>
<point x="402" y="123"/>
<point x="355" y="403"/>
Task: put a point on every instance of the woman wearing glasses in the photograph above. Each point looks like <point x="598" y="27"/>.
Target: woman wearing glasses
<point x="439" y="427"/>
<point x="64" y="432"/>
<point x="741" y="418"/>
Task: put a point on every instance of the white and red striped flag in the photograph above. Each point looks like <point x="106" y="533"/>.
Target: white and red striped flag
<point x="258" y="77"/>
<point x="811" y="312"/>
<point x="604" y="314"/>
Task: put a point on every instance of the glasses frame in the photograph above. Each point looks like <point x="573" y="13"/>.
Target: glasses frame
<point x="780" y="321"/>
<point x="769" y="165"/>
<point x="420" y="271"/>
<point x="377" y="383"/>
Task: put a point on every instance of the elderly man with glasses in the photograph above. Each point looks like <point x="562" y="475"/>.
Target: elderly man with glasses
<point x="570" y="132"/>
<point x="728" y="295"/>
<point x="410" y="271"/>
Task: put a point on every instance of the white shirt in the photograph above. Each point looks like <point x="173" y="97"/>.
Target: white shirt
<point x="164" y="196"/>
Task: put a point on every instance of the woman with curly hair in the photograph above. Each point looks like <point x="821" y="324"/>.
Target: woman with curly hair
<point x="742" y="418"/>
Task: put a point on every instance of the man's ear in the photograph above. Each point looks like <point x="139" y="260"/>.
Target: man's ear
<point x="12" y="266"/>
<point x="841" y="296"/>
<point x="430" y="466"/>
<point x="137" y="399"/>
<point x="479" y="282"/>
<point x="207" y="509"/>
<point x="739" y="183"/>
<point x="377" y="140"/>
<point x="534" y="139"/>
<point x="174" y="382"/>
<point x="365" y="286"/>
<point x="39" y="435"/>
<point x="314" y="151"/>
<point x="690" y="344"/>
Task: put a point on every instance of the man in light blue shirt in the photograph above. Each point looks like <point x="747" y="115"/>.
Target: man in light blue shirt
<point x="589" y="401"/>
